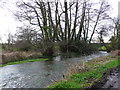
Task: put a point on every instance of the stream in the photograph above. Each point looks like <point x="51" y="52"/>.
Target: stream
<point x="41" y="73"/>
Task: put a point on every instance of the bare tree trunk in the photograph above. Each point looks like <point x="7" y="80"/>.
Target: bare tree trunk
<point x="82" y="22"/>
<point x="51" y="26"/>
<point x="74" y="27"/>
<point x="44" y="17"/>
<point x="94" y="28"/>
<point x="56" y="21"/>
<point x="70" y="18"/>
<point x="101" y="10"/>
<point x="60" y="27"/>
<point x="88" y="22"/>
<point x="66" y="20"/>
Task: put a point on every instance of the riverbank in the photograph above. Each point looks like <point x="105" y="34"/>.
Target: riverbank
<point x="23" y="61"/>
<point x="18" y="57"/>
<point x="110" y="79"/>
<point x="84" y="75"/>
<point x="40" y="74"/>
<point x="13" y="56"/>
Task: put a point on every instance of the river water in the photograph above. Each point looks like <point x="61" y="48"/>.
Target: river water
<point x="39" y="74"/>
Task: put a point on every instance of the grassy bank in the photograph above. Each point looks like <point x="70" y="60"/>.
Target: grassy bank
<point x="13" y="56"/>
<point x="23" y="61"/>
<point x="87" y="74"/>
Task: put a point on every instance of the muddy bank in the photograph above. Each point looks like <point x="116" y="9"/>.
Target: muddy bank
<point x="110" y="80"/>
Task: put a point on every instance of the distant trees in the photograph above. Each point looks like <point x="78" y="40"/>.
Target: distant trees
<point x="8" y="45"/>
<point x="25" y="37"/>
<point x="115" y="39"/>
<point x="69" y="23"/>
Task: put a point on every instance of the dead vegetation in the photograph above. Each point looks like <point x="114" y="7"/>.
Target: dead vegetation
<point x="17" y="56"/>
<point x="81" y="67"/>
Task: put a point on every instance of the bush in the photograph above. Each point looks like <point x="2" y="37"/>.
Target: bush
<point x="48" y="51"/>
<point x="114" y="43"/>
<point x="79" y="47"/>
<point x="103" y="48"/>
<point x="18" y="55"/>
<point x="25" y="48"/>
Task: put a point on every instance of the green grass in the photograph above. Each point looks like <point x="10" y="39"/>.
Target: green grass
<point x="103" y="48"/>
<point x="86" y="78"/>
<point x="23" y="61"/>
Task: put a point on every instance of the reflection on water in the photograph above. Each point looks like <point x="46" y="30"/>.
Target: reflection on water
<point x="39" y="74"/>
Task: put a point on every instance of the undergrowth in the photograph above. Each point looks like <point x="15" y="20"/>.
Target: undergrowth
<point x="86" y="78"/>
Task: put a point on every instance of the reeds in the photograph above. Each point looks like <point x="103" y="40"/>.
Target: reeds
<point x="17" y="56"/>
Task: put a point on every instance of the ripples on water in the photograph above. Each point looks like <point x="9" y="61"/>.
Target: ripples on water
<point x="39" y="74"/>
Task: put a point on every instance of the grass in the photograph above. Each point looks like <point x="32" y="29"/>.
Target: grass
<point x="23" y="61"/>
<point x="103" y="48"/>
<point x="87" y="77"/>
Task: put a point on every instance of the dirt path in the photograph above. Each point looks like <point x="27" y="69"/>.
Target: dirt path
<point x="110" y="79"/>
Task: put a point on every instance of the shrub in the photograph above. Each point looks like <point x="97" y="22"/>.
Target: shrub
<point x="79" y="47"/>
<point x="18" y="55"/>
<point x="27" y="48"/>
<point x="48" y="51"/>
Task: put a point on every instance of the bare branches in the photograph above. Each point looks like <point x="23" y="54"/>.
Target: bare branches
<point x="59" y="21"/>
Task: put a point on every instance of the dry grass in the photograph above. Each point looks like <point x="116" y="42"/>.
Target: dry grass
<point x="16" y="56"/>
<point x="84" y="75"/>
<point x="81" y="67"/>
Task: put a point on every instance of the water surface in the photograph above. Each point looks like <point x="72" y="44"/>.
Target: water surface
<point x="39" y="74"/>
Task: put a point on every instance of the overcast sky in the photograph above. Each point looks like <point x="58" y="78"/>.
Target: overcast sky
<point x="8" y="23"/>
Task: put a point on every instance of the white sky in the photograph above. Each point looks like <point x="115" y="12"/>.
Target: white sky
<point x="8" y="23"/>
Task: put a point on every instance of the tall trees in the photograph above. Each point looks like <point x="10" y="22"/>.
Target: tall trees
<point x="75" y="22"/>
<point x="100" y="15"/>
<point x="53" y="20"/>
<point x="63" y="21"/>
<point x="81" y="26"/>
<point x="26" y="38"/>
<point x="115" y="39"/>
